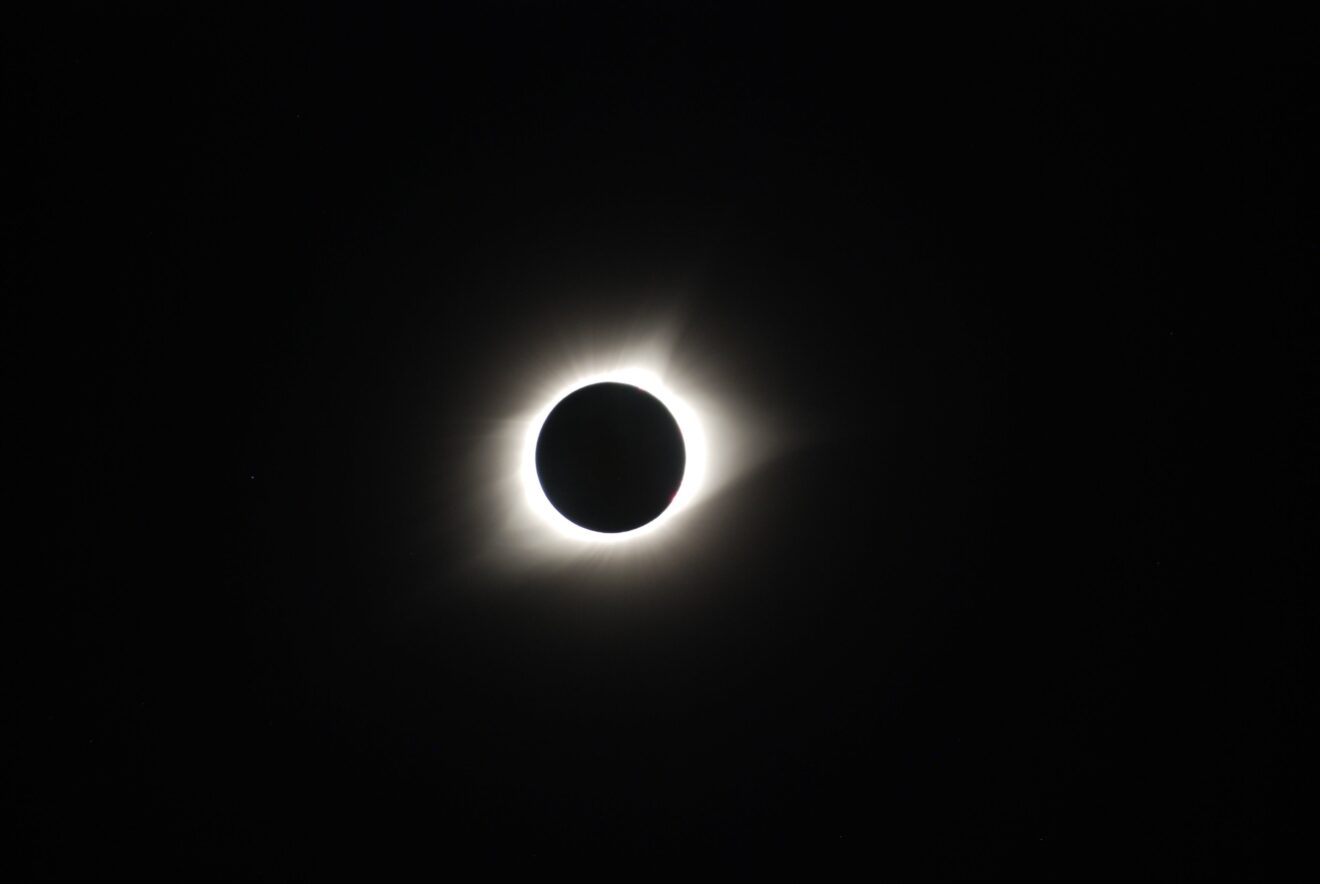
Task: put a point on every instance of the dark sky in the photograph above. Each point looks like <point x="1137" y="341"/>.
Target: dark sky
<point x="1029" y="286"/>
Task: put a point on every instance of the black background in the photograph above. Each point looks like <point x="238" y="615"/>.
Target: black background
<point x="1035" y="282"/>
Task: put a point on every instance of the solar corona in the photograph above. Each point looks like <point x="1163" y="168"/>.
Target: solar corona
<point x="612" y="457"/>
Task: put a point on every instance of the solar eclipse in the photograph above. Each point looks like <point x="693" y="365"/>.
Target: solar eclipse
<point x="689" y="434"/>
<point x="610" y="457"/>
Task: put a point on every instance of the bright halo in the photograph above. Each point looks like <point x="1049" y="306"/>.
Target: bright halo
<point x="694" y="444"/>
<point x="511" y="526"/>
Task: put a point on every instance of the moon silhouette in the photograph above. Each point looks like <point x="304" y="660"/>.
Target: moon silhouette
<point x="610" y="457"/>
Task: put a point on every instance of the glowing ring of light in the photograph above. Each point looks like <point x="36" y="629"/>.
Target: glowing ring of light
<point x="694" y="444"/>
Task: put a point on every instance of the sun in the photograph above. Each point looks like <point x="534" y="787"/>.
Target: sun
<point x="511" y="527"/>
<point x="694" y="442"/>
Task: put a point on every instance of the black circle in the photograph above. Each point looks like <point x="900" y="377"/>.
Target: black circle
<point x="610" y="457"/>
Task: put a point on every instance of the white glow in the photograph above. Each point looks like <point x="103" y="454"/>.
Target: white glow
<point x="505" y="520"/>
<point x="694" y="443"/>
